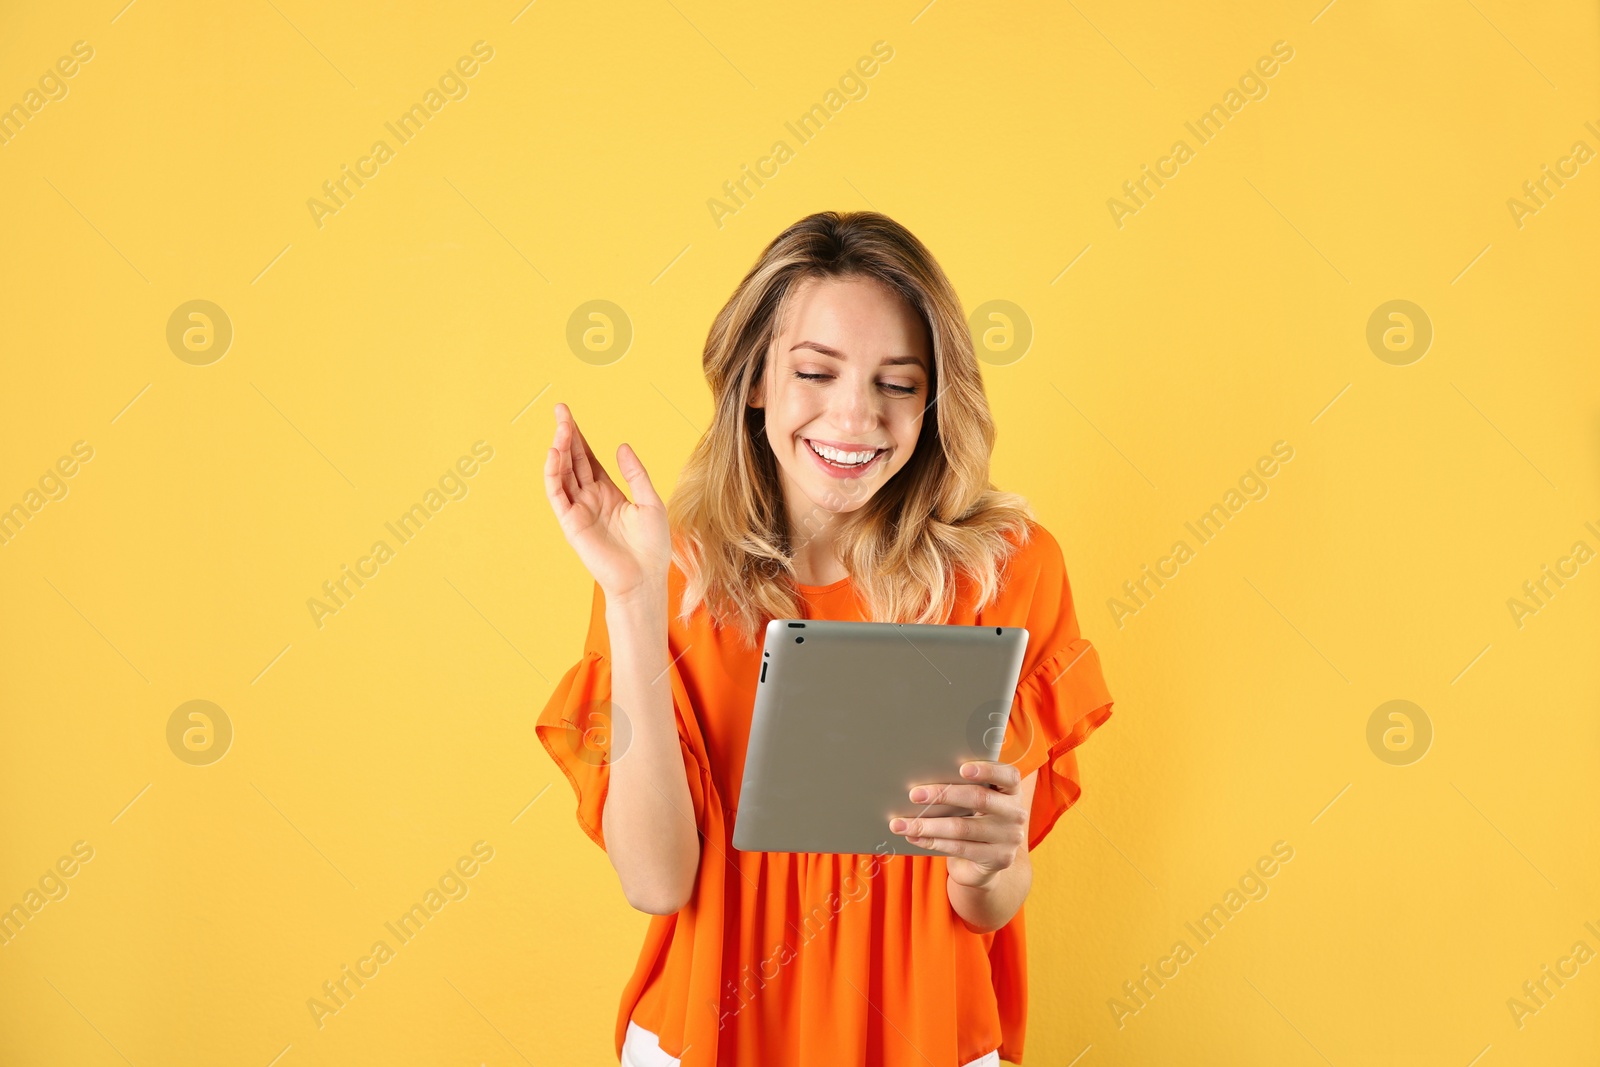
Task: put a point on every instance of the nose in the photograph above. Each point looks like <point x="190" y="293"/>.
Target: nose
<point x="856" y="411"/>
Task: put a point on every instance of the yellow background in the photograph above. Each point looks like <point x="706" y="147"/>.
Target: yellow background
<point x="431" y="311"/>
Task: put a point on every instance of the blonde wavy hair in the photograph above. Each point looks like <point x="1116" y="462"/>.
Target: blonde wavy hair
<point x="939" y="516"/>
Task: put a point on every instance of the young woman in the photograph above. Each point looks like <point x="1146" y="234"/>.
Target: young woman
<point x="845" y="476"/>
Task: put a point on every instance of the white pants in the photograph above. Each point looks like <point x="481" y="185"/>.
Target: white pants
<point x="641" y="1048"/>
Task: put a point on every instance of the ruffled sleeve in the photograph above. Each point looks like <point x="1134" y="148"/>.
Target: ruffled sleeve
<point x="1061" y="698"/>
<point x="584" y="733"/>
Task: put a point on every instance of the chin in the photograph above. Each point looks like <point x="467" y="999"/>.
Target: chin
<point x="841" y="501"/>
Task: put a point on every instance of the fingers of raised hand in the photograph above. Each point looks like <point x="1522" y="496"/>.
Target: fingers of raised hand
<point x="571" y="441"/>
<point x="558" y="460"/>
<point x="581" y="467"/>
<point x="553" y="487"/>
<point x="636" y="476"/>
<point x="589" y="466"/>
<point x="560" y="483"/>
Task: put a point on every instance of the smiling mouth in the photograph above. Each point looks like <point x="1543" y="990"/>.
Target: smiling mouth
<point x="845" y="461"/>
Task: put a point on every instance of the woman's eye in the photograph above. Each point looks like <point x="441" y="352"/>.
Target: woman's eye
<point x="898" y="390"/>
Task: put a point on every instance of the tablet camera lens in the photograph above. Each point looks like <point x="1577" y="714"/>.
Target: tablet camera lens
<point x="799" y="640"/>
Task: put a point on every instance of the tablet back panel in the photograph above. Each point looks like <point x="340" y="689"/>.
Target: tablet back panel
<point x="850" y="715"/>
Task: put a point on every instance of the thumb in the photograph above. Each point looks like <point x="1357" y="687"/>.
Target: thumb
<point x="638" y="479"/>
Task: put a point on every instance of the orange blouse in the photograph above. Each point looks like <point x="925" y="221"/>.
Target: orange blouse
<point x="789" y="959"/>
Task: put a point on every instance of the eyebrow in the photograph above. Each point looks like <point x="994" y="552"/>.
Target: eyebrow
<point x="818" y="346"/>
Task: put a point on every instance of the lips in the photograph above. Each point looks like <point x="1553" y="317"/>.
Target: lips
<point x="837" y="471"/>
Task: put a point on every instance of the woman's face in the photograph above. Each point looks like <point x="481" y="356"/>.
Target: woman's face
<point x="849" y="375"/>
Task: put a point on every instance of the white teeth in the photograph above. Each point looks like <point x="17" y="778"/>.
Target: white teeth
<point x="843" y="459"/>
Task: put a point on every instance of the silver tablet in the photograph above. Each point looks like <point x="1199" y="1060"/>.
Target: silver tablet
<point x="850" y="715"/>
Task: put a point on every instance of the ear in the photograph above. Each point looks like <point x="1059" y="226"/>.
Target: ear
<point x="757" y="397"/>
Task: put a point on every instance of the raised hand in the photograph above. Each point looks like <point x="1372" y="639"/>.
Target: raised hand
<point x="625" y="545"/>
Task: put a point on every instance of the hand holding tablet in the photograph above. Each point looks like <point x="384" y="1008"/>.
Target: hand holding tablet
<point x="977" y="849"/>
<point x="851" y="716"/>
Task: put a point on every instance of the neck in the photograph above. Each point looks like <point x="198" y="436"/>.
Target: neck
<point x="813" y="541"/>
